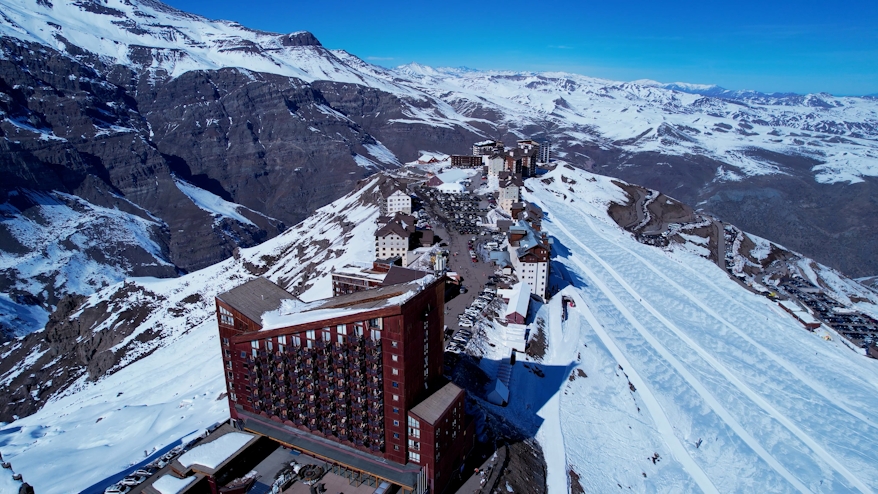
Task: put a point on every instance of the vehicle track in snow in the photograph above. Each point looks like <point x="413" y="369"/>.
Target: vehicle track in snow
<point x="659" y="417"/>
<point x="720" y="368"/>
<point x="785" y="364"/>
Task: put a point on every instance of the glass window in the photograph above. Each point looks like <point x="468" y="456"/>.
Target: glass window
<point x="225" y="342"/>
<point x="254" y="344"/>
<point x="282" y="340"/>
<point x="327" y="335"/>
<point x="297" y="340"/>
<point x="268" y="345"/>
<point x="395" y="358"/>
<point x="341" y="329"/>
<point x="396" y="423"/>
<point x="395" y="372"/>
<point x="393" y="383"/>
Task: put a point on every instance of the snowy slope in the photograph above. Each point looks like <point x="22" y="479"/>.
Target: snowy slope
<point x="168" y="387"/>
<point x="678" y="361"/>
<point x="52" y="245"/>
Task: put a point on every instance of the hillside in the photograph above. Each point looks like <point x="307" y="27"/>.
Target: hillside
<point x="662" y="356"/>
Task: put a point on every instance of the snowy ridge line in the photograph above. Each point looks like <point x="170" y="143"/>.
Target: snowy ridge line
<point x="700" y="388"/>
<point x="765" y="351"/>
<point x="655" y="409"/>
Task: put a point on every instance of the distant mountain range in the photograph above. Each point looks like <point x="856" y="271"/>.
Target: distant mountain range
<point x="139" y="140"/>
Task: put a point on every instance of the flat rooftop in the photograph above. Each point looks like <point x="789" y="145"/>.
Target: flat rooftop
<point x="295" y="312"/>
<point x="256" y="297"/>
<point x="431" y="409"/>
<point x="404" y="475"/>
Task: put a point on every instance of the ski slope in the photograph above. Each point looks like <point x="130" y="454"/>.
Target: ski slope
<point x="733" y="395"/>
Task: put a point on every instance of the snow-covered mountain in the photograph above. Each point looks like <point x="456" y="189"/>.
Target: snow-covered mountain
<point x="664" y="367"/>
<point x="112" y="104"/>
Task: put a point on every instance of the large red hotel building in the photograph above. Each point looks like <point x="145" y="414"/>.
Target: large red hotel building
<point x="355" y="380"/>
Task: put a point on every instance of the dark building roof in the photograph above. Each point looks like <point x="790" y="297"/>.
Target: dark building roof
<point x="431" y="409"/>
<point x="256" y="297"/>
<point x="398" y="275"/>
<point x="400" y="224"/>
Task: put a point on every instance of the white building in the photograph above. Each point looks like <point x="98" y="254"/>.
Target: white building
<point x="510" y="193"/>
<point x="398" y="202"/>
<point x="393" y="238"/>
<point x="496" y="163"/>
<point x="529" y="252"/>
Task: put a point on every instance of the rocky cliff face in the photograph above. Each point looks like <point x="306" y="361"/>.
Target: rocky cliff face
<point x="120" y="138"/>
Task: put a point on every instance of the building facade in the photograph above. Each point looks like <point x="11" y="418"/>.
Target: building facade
<point x="509" y="194"/>
<point x="398" y="202"/>
<point x="529" y="250"/>
<point x="394" y="237"/>
<point x="466" y="161"/>
<point x="343" y="370"/>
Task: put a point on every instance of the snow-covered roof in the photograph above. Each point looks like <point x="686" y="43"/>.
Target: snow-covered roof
<point x="211" y="455"/>
<point x="169" y="484"/>
<point x="485" y="143"/>
<point x="295" y="312"/>
<point x="519" y="299"/>
<point x="256" y="297"/>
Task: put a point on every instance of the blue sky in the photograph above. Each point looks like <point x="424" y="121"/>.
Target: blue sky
<point x="803" y="46"/>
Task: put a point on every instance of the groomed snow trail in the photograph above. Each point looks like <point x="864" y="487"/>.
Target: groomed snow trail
<point x="784" y="363"/>
<point x="699" y="387"/>
<point x="769" y="404"/>
<point x="655" y="409"/>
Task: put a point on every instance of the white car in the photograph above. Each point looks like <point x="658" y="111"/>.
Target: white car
<point x="133" y="480"/>
<point x="117" y="489"/>
<point x="466" y="324"/>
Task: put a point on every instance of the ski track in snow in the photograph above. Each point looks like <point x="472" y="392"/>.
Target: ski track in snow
<point x="715" y="364"/>
<point x="652" y="404"/>
<point x="764" y="351"/>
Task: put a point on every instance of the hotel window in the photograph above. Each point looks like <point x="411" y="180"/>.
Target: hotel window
<point x="231" y="376"/>
<point x="414" y="444"/>
<point x="395" y="397"/>
<point x="268" y="345"/>
<point x="393" y="383"/>
<point x="226" y="317"/>
<point x="394" y="344"/>
<point x="396" y="435"/>
<point x="395" y="410"/>
<point x="376" y="334"/>
<point x="396" y="423"/>
<point x="395" y="358"/>
<point x="414" y="428"/>
<point x="393" y="371"/>
<point x="254" y="345"/>
<point x="396" y="447"/>
<point x="282" y="340"/>
<point x="229" y="365"/>
<point x="227" y="353"/>
<point x="243" y="354"/>
<point x="327" y="335"/>
<point x="339" y="338"/>
<point x="225" y="342"/>
<point x="414" y="457"/>
<point x="234" y="398"/>
<point x="377" y="323"/>
<point x="297" y="340"/>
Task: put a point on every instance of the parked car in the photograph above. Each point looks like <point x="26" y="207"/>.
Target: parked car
<point x="117" y="489"/>
<point x="466" y="324"/>
<point x="133" y="480"/>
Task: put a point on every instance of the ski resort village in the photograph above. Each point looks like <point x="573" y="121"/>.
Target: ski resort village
<point x="493" y="322"/>
<point x="235" y="261"/>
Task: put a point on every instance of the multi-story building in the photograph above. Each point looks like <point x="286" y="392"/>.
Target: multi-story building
<point x="466" y="161"/>
<point x="529" y="251"/>
<point x="343" y="378"/>
<point x="522" y="161"/>
<point x="487" y="148"/>
<point x="496" y="164"/>
<point x="397" y="202"/>
<point x="509" y="193"/>
<point x="394" y="237"/>
<point x="545" y="152"/>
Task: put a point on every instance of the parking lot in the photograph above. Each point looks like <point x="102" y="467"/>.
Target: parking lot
<point x="858" y="328"/>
